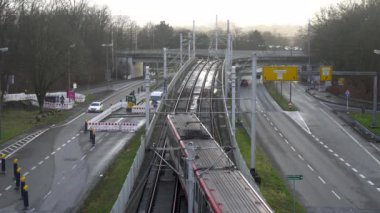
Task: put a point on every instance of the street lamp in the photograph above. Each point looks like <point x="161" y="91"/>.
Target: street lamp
<point x="68" y="66"/>
<point x="2" y="50"/>
<point x="374" y="120"/>
<point x="107" y="70"/>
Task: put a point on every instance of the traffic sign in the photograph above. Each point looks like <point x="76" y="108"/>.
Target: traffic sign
<point x="347" y="93"/>
<point x="295" y="177"/>
<point x="325" y="73"/>
<point x="280" y="73"/>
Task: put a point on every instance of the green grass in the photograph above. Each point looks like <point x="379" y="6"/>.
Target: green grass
<point x="281" y="100"/>
<point x="366" y="120"/>
<point x="272" y="186"/>
<point x="104" y="194"/>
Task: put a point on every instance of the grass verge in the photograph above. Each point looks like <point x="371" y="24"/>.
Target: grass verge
<point x="104" y="194"/>
<point x="281" y="100"/>
<point x="272" y="186"/>
<point x="365" y="119"/>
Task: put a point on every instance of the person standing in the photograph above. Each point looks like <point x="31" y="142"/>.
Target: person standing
<point x="3" y="156"/>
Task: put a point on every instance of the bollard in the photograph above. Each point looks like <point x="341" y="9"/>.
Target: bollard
<point x="26" y="197"/>
<point x="18" y="171"/>
<point x="15" y="165"/>
<point x="3" y="156"/>
<point x="22" y="179"/>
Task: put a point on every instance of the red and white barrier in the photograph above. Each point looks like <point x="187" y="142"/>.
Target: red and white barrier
<point x="112" y="126"/>
<point x="141" y="109"/>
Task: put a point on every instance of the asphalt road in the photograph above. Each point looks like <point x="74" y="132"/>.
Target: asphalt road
<point x="341" y="170"/>
<point x="61" y="165"/>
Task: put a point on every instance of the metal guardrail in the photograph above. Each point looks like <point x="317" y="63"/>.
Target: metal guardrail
<point x="125" y="192"/>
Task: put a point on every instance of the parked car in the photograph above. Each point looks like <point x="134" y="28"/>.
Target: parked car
<point x="95" y="106"/>
<point x="244" y="83"/>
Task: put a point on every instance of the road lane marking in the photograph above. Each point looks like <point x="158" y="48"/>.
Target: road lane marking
<point x="378" y="189"/>
<point x="26" y="174"/>
<point x="92" y="148"/>
<point x="275" y="129"/>
<point x="330" y="150"/>
<point x="1" y="194"/>
<point x="312" y="135"/>
<point x="72" y="138"/>
<point x="281" y="135"/>
<point x="74" y="119"/>
<point x="321" y="179"/>
<point x="357" y="142"/>
<point x="293" y="148"/>
<point x="317" y="139"/>
<point x="84" y="156"/>
<point x="8" y="187"/>
<point x="320" y="142"/>
<point x="33" y="168"/>
<point x="53" y="153"/>
<point x="336" y="155"/>
<point x="77" y="134"/>
<point x="47" y="157"/>
<point x="271" y="123"/>
<point x="326" y="146"/>
<point x="311" y="168"/>
<point x="63" y="145"/>
<point x="362" y="176"/>
<point x="353" y="169"/>
<point x="300" y="157"/>
<point x="41" y="162"/>
<point x="341" y="159"/>
<point x="69" y="141"/>
<point x="336" y="195"/>
<point x="370" y="183"/>
<point x="375" y="147"/>
<point x="47" y="195"/>
<point x="59" y="148"/>
<point x="286" y="141"/>
<point x="347" y="164"/>
<point x="74" y="166"/>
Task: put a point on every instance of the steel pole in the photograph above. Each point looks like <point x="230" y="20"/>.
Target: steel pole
<point x="189" y="49"/>
<point x="190" y="181"/>
<point x="233" y="86"/>
<point x="181" y="48"/>
<point x="290" y="91"/>
<point x="147" y="98"/>
<point x="374" y="120"/>
<point x="216" y="35"/>
<point x="112" y="55"/>
<point x="193" y="38"/>
<point x="165" y="70"/>
<point x="68" y="70"/>
<point x="253" y="116"/>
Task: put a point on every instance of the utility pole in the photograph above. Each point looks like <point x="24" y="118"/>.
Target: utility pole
<point x="216" y="35"/>
<point x="189" y="38"/>
<point x="233" y="86"/>
<point x="193" y="38"/>
<point x="190" y="176"/>
<point x="374" y="119"/>
<point x="2" y="50"/>
<point x="181" y="48"/>
<point x="112" y="53"/>
<point x="147" y="99"/>
<point x="253" y="117"/>
<point x="165" y="71"/>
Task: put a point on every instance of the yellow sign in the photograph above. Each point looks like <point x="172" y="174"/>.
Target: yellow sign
<point x="280" y="73"/>
<point x="325" y="73"/>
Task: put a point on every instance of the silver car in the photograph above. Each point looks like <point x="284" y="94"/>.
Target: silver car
<point x="95" y="106"/>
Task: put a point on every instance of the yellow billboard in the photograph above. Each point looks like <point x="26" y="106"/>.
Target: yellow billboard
<point x="280" y="73"/>
<point x="325" y="73"/>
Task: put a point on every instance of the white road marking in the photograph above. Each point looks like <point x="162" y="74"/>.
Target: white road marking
<point x="330" y="150"/>
<point x="74" y="166"/>
<point x="1" y="194"/>
<point x="286" y="141"/>
<point x="300" y="157"/>
<point x="47" y="157"/>
<point x="378" y="189"/>
<point x="362" y="176"/>
<point x="311" y="168"/>
<point x="317" y="139"/>
<point x="370" y="183"/>
<point x="72" y="138"/>
<point x="26" y="174"/>
<point x="336" y="195"/>
<point x="336" y="155"/>
<point x="312" y="135"/>
<point x="341" y="159"/>
<point x="84" y="156"/>
<point x="8" y="187"/>
<point x="63" y="145"/>
<point x="69" y="141"/>
<point x="321" y="142"/>
<point x="59" y="148"/>
<point x="268" y="119"/>
<point x="77" y="134"/>
<point x="281" y="135"/>
<point x="326" y="146"/>
<point x="357" y="142"/>
<point x="323" y="181"/>
<point x="53" y="153"/>
<point x="347" y="164"/>
<point x="92" y="149"/>
<point x="355" y="170"/>
<point x="41" y="162"/>
<point x="75" y="119"/>
<point x="47" y="195"/>
<point x="275" y="129"/>
<point x="271" y="123"/>
<point x="375" y="147"/>
<point x="293" y="148"/>
<point x="33" y="168"/>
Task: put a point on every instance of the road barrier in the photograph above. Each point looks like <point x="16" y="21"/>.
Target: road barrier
<point x="113" y="126"/>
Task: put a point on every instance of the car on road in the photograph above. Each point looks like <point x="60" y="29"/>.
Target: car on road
<point x="95" y="106"/>
<point x="244" y="83"/>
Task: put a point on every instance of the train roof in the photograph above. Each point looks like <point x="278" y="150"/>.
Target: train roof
<point x="188" y="126"/>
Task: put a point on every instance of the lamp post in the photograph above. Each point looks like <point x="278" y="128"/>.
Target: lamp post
<point x="2" y="50"/>
<point x="107" y="70"/>
<point x="68" y="67"/>
<point x="374" y="120"/>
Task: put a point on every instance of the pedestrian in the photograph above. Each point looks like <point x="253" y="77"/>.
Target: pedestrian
<point x="18" y="171"/>
<point x="26" y="197"/>
<point x="91" y="133"/>
<point x="22" y="179"/>
<point x="15" y="165"/>
<point x="3" y="156"/>
<point x="93" y="137"/>
<point x="85" y="126"/>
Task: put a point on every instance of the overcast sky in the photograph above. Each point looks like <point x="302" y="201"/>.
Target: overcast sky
<point x="240" y="12"/>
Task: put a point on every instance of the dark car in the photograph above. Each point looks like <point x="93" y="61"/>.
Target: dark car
<point x="244" y="83"/>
